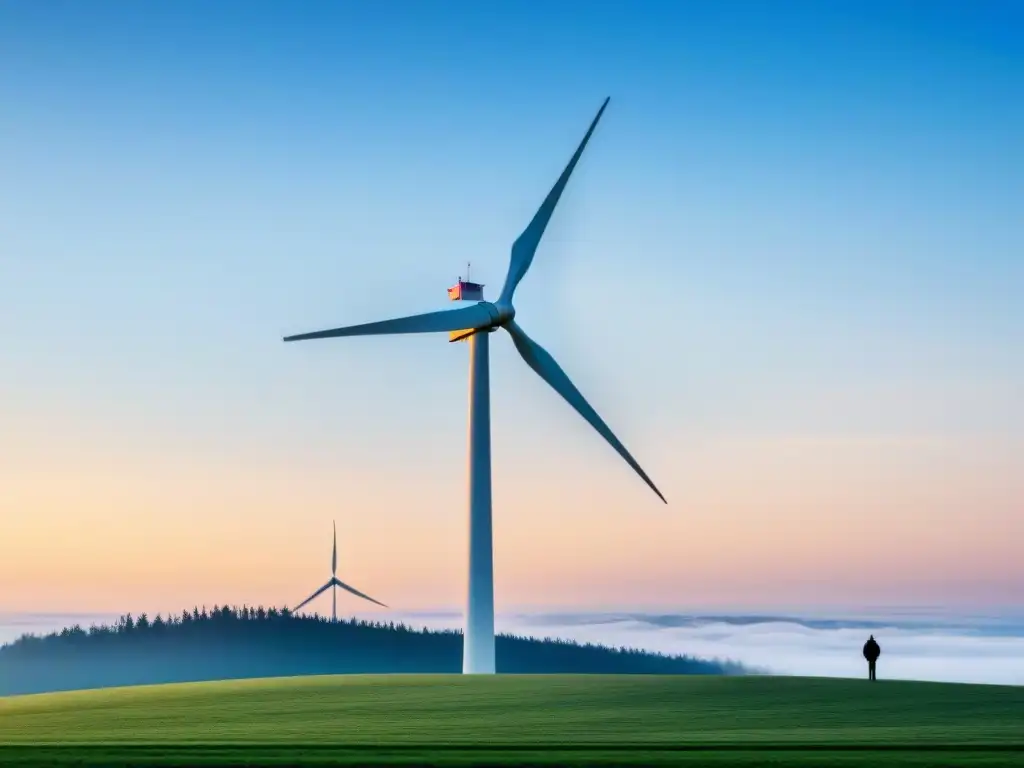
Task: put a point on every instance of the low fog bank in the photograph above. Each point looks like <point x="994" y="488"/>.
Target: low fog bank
<point x="980" y="651"/>
<point x="916" y="645"/>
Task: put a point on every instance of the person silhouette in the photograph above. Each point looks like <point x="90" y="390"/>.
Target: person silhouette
<point x="871" y="652"/>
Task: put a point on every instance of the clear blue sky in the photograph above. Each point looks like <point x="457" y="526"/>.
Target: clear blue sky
<point x="788" y="272"/>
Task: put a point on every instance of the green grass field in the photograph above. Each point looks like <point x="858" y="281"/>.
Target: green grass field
<point x="520" y="720"/>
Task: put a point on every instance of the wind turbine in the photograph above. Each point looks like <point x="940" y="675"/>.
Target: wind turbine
<point x="334" y="583"/>
<point x="474" y="323"/>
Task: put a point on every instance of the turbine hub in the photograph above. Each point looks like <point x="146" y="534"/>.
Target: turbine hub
<point x="498" y="315"/>
<point x="504" y="312"/>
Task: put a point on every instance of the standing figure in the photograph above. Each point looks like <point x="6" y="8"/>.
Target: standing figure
<point x="871" y="652"/>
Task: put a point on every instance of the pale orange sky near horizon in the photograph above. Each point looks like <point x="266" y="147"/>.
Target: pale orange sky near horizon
<point x="757" y="521"/>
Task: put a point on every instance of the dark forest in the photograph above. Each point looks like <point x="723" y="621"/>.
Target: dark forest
<point x="232" y="642"/>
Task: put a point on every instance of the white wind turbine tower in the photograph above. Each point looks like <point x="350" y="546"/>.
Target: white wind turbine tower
<point x="334" y="583"/>
<point x="474" y="323"/>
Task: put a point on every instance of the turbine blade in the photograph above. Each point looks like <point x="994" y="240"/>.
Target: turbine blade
<point x="355" y="591"/>
<point x="545" y="366"/>
<point x="316" y="594"/>
<point x="525" y="246"/>
<point x="334" y="553"/>
<point x="474" y="316"/>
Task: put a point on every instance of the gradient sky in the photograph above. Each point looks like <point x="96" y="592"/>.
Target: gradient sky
<point x="788" y="272"/>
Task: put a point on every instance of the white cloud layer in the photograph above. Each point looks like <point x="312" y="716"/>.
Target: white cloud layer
<point x="984" y="649"/>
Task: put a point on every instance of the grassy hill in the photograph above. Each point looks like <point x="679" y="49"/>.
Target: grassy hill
<point x="451" y="719"/>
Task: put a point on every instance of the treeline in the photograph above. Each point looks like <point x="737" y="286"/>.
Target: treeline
<point x="238" y="642"/>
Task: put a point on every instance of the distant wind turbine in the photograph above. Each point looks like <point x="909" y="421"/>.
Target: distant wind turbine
<point x="474" y="323"/>
<point x="334" y="583"/>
